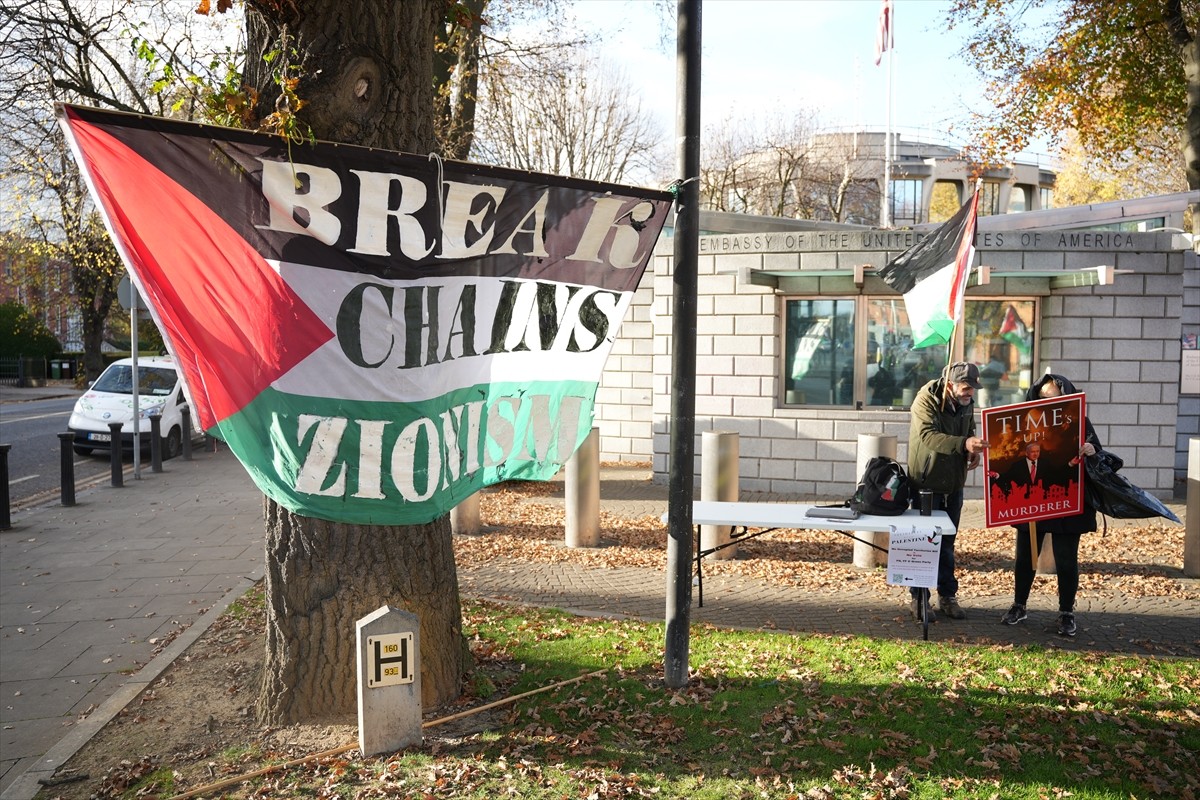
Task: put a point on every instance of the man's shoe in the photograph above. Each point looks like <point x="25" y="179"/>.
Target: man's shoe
<point x="950" y="607"/>
<point x="1015" y="614"/>
<point x="1066" y="624"/>
<point x="914" y="605"/>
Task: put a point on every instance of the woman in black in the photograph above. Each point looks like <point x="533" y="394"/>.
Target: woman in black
<point x="1064" y="532"/>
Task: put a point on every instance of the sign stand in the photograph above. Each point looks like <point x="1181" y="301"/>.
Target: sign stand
<point x="1033" y="548"/>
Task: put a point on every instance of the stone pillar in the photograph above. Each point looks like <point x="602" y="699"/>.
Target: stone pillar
<point x="464" y="517"/>
<point x="583" y="493"/>
<point x="1191" y="514"/>
<point x="871" y="445"/>
<point x="389" y="681"/>
<point x="719" y="453"/>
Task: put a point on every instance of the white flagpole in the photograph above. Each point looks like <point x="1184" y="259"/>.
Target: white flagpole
<point x="885" y="213"/>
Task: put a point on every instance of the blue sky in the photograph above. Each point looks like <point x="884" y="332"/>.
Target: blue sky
<point x="783" y="55"/>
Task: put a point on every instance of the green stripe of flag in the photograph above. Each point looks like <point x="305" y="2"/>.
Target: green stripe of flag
<point x="379" y="463"/>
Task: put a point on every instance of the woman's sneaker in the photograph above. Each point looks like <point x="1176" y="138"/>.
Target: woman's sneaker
<point x="1066" y="624"/>
<point x="1015" y="614"/>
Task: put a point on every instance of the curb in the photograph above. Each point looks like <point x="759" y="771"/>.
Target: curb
<point x="27" y="785"/>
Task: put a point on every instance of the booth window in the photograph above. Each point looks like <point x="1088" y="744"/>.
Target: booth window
<point x="857" y="352"/>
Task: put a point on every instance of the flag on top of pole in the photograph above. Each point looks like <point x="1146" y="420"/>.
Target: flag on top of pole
<point x="932" y="275"/>
<point x="885" y="37"/>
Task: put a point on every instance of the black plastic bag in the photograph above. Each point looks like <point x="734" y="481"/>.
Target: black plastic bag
<point x="1111" y="494"/>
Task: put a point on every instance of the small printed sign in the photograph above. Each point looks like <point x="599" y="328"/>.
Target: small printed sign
<point x="391" y="658"/>
<point x="913" y="558"/>
<point x="1189" y="372"/>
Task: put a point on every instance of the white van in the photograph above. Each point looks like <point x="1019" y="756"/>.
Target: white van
<point x="110" y="399"/>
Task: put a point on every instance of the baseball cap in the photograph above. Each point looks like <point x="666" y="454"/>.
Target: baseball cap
<point x="964" y="372"/>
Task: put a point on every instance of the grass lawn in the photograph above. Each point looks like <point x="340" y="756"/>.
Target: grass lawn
<point x="775" y="715"/>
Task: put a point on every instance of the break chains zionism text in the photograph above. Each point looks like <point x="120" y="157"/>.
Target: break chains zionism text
<point x="374" y="459"/>
<point x="467" y="221"/>
<point x="440" y="322"/>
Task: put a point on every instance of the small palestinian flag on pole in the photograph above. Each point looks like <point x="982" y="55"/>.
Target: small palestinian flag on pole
<point x="375" y="335"/>
<point x="932" y="275"/>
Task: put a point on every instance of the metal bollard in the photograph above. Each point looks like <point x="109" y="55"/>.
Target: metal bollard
<point x="66" y="470"/>
<point x="5" y="511"/>
<point x="155" y="443"/>
<point x="210" y="444"/>
<point x="114" y="454"/>
<point x="186" y="425"/>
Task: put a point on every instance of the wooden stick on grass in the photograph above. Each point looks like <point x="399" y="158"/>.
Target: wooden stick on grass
<point x="212" y="787"/>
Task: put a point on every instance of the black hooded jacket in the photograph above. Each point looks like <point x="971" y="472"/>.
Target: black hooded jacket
<point x="1085" y="521"/>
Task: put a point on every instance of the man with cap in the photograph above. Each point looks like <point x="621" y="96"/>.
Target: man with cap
<point x="942" y="448"/>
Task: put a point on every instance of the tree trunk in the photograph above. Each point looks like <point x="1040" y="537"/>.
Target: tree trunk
<point x="95" y="273"/>
<point x="456" y="78"/>
<point x="365" y="74"/>
<point x="324" y="576"/>
<point x="365" y="69"/>
<point x="1188" y="41"/>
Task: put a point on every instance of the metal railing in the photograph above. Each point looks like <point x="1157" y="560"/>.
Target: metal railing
<point x="26" y="371"/>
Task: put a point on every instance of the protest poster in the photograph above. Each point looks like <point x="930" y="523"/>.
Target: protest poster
<point x="1032" y="463"/>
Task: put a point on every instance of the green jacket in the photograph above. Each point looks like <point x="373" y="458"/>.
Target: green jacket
<point x="937" y="433"/>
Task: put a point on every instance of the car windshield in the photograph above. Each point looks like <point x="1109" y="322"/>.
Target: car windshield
<point x="118" y="379"/>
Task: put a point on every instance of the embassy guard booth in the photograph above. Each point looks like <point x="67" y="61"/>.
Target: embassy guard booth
<point x="801" y="348"/>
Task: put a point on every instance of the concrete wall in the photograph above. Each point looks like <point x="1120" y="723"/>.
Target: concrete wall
<point x="1120" y="343"/>
<point x="624" y="400"/>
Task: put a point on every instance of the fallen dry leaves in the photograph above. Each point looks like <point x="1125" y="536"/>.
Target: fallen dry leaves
<point x="1133" y="558"/>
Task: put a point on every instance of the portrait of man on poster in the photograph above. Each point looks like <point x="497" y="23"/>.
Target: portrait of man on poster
<point x="1031" y="462"/>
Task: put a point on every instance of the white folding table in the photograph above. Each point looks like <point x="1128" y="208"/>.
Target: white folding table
<point x="741" y="516"/>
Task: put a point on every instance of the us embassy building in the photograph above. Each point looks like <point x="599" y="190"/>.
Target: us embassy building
<point x="801" y="348"/>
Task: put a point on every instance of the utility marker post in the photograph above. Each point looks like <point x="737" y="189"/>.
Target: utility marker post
<point x="389" y="681"/>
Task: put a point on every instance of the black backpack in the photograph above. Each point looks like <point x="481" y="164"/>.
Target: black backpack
<point x="883" y="489"/>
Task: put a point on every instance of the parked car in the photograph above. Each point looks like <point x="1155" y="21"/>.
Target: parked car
<point x="110" y="399"/>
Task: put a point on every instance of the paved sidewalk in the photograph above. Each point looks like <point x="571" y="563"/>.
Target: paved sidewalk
<point x="89" y="595"/>
<point x="1143" y="626"/>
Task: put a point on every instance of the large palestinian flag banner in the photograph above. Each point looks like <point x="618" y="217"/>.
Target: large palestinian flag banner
<point x="376" y="335"/>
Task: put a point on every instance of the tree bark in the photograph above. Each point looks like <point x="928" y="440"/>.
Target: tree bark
<point x="365" y="68"/>
<point x="365" y="74"/>
<point x="1188" y="41"/>
<point x="324" y="576"/>
<point x="456" y="78"/>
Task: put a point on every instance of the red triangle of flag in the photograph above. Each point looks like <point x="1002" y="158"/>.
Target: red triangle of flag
<point x="231" y="320"/>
